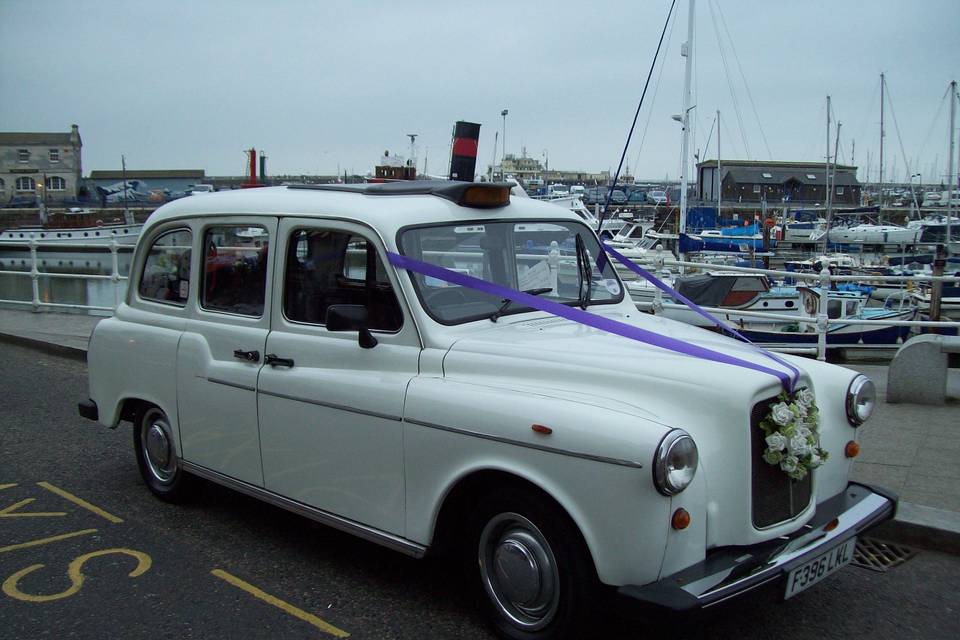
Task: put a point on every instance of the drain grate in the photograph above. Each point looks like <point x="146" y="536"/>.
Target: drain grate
<point x="878" y="555"/>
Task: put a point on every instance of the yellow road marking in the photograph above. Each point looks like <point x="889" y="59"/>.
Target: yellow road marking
<point x="8" y="485"/>
<point x="37" y="543"/>
<point x="326" y="627"/>
<point x="74" y="573"/>
<point x="80" y="502"/>
<point x="10" y="512"/>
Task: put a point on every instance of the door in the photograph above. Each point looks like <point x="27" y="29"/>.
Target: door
<point x="330" y="410"/>
<point x="221" y="350"/>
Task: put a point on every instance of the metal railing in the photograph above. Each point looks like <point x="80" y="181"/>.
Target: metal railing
<point x="35" y="274"/>
<point x="823" y="281"/>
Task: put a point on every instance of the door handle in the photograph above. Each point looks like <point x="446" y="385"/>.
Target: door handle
<point x="274" y="360"/>
<point x="251" y="356"/>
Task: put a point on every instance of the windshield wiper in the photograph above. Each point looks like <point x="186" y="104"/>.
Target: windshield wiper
<point x="507" y="301"/>
<point x="585" y="274"/>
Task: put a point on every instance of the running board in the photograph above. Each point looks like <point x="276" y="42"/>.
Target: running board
<point x="323" y="517"/>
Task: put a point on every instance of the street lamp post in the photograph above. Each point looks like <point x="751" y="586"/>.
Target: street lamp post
<point x="504" y="114"/>
<point x="914" y="193"/>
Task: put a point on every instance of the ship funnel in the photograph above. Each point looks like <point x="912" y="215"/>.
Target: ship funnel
<point x="463" y="156"/>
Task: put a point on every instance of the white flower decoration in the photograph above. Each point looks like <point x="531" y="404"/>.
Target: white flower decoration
<point x="789" y="464"/>
<point x="802" y="430"/>
<point x="798" y="445"/>
<point x="805" y="398"/>
<point x="781" y="414"/>
<point x="815" y="460"/>
<point x="776" y="442"/>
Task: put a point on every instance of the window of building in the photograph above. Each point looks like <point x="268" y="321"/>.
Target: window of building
<point x="2" y="184"/>
<point x="23" y="155"/>
<point x="235" y="269"/>
<point x="767" y="175"/>
<point x="56" y="183"/>
<point x="327" y="268"/>
<point x="811" y="176"/>
<point x="756" y="188"/>
<point x="166" y="271"/>
<point x="839" y="191"/>
<point x="54" y="155"/>
<point x="26" y="183"/>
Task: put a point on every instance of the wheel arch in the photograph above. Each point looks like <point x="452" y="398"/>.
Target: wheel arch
<point x="468" y="489"/>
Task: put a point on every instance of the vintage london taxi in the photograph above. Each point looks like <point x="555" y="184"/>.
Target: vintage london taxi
<point x="436" y="365"/>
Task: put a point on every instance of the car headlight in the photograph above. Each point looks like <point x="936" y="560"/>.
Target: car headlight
<point x="861" y="399"/>
<point x="675" y="463"/>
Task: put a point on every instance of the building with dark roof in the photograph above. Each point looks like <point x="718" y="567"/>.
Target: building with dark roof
<point x="47" y="165"/>
<point x="776" y="182"/>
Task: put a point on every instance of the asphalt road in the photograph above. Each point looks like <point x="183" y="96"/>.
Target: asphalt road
<point x="116" y="562"/>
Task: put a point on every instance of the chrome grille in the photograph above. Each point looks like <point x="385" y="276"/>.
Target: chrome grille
<point x="776" y="498"/>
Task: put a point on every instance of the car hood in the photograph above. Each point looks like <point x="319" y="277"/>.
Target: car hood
<point x="550" y="353"/>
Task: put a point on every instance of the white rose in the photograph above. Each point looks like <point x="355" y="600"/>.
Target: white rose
<point x="776" y="442"/>
<point x="815" y="460"/>
<point x="803" y="431"/>
<point x="802" y="410"/>
<point x="789" y="464"/>
<point x="805" y="397"/>
<point x="781" y="414"/>
<point x="799" y="473"/>
<point x="798" y="445"/>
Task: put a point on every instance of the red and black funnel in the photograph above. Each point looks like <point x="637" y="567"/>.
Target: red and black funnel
<point x="463" y="158"/>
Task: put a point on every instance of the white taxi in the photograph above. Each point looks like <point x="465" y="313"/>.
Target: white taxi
<point x="436" y="366"/>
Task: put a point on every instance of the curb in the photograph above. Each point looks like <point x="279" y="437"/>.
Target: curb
<point x="923" y="527"/>
<point x="66" y="351"/>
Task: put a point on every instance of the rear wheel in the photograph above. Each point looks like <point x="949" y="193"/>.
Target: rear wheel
<point x="537" y="577"/>
<point x="157" y="457"/>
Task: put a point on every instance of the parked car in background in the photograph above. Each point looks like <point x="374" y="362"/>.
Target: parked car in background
<point x="637" y="196"/>
<point x="657" y="196"/>
<point x="439" y="367"/>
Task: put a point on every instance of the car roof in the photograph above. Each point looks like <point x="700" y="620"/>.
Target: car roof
<point x="386" y="207"/>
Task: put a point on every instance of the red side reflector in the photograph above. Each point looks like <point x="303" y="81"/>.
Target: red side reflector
<point x="680" y="519"/>
<point x="539" y="428"/>
<point x="852" y="450"/>
<point x="833" y="524"/>
<point x="485" y="197"/>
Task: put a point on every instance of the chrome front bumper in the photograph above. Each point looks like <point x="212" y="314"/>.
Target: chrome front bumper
<point x="732" y="571"/>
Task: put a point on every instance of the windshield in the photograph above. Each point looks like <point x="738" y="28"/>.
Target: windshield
<point x="524" y="256"/>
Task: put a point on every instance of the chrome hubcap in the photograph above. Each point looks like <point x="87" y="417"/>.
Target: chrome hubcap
<point x="519" y="571"/>
<point x="157" y="447"/>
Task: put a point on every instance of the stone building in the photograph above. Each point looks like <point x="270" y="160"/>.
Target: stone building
<point x="40" y="164"/>
<point x="775" y="182"/>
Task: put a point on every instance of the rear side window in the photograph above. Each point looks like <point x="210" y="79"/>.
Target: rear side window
<point x="166" y="271"/>
<point x="327" y="268"/>
<point x="235" y="269"/>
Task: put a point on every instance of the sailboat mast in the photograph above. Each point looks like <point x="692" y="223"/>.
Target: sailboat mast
<point x="826" y="182"/>
<point x="686" y="50"/>
<point x="882" y="135"/>
<point x="951" y="177"/>
<point x="718" y="180"/>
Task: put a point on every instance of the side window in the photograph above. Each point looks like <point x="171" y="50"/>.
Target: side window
<point x="235" y="269"/>
<point x="166" y="272"/>
<point x="325" y="268"/>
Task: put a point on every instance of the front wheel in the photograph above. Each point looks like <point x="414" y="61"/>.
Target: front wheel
<point x="537" y="576"/>
<point x="157" y="457"/>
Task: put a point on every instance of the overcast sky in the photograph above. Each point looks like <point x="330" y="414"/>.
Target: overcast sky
<point x="322" y="85"/>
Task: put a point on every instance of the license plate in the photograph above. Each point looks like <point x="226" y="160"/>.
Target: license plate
<point x="812" y="572"/>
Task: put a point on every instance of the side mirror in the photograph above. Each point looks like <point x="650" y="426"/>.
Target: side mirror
<point x="351" y="317"/>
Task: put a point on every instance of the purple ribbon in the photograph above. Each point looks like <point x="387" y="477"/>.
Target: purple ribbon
<point x="582" y="317"/>
<point x="676" y="295"/>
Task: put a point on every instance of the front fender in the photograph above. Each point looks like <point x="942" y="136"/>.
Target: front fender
<point x="595" y="464"/>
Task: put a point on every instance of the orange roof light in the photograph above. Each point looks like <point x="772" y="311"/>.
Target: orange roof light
<point x="485" y="196"/>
